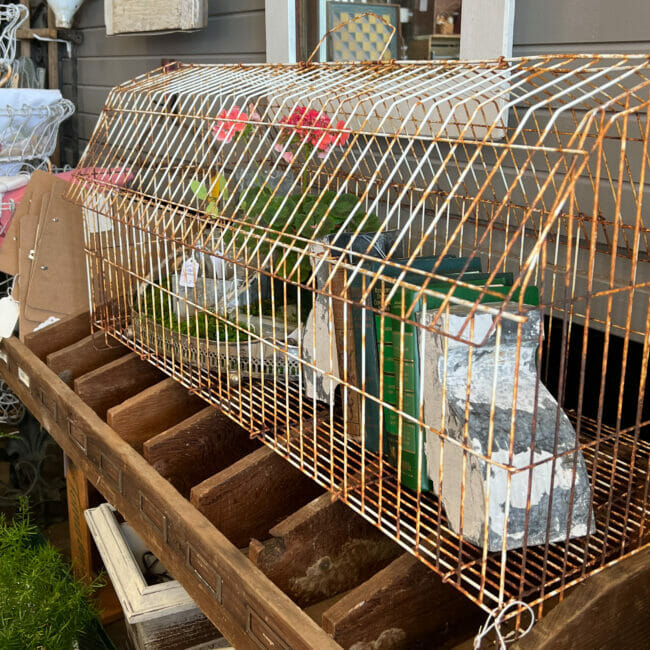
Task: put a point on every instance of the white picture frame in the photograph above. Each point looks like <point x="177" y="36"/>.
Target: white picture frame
<point x="140" y="602"/>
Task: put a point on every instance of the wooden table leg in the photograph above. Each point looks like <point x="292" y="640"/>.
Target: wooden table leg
<point x="78" y="494"/>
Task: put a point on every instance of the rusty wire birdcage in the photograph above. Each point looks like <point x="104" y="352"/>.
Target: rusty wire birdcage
<point x="424" y="284"/>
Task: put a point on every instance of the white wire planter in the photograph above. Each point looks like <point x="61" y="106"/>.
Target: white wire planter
<point x="29" y="132"/>
<point x="12" y="410"/>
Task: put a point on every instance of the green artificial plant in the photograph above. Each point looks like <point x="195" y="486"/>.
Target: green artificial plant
<point x="42" y="605"/>
<point x="301" y="218"/>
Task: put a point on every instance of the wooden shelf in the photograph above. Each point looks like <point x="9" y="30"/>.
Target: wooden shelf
<point x="252" y="540"/>
<point x="270" y="559"/>
<point x="27" y="33"/>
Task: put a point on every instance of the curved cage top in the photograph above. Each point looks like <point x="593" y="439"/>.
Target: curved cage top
<point x="498" y="155"/>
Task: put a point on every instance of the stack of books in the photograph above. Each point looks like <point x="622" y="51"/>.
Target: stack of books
<point x="388" y="354"/>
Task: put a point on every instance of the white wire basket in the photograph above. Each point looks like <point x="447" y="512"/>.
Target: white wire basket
<point x="11" y="18"/>
<point x="29" y="128"/>
<point x="24" y="73"/>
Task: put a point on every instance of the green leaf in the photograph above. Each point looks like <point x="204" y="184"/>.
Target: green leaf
<point x="372" y="224"/>
<point x="199" y="190"/>
<point x="305" y="215"/>
<point x="41" y="604"/>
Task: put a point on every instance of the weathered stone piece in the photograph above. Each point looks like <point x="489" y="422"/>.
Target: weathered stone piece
<point x="536" y="419"/>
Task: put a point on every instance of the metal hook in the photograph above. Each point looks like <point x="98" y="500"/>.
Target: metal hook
<point x="68" y="44"/>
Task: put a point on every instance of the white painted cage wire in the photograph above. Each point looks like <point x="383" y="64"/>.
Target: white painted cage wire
<point x="12" y="410"/>
<point x="424" y="284"/>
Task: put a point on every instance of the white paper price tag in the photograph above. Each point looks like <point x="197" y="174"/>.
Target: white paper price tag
<point x="189" y="273"/>
<point x="217" y="265"/>
<point x="9" y="311"/>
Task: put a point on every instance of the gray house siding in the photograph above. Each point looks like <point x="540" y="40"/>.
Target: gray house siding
<point x="581" y="26"/>
<point x="595" y="26"/>
<point x="235" y="33"/>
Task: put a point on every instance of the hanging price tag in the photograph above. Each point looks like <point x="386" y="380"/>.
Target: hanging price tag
<point x="217" y="265"/>
<point x="189" y="273"/>
<point x="9" y="310"/>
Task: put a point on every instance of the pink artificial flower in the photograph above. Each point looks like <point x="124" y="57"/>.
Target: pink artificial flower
<point x="317" y="133"/>
<point x="229" y="123"/>
<point x="341" y="138"/>
<point x="287" y="156"/>
<point x="323" y="140"/>
<point x="254" y="115"/>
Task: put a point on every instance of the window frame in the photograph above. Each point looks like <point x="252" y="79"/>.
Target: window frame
<point x="486" y="30"/>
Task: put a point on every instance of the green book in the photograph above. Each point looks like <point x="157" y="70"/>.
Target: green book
<point x="364" y="324"/>
<point x="425" y="264"/>
<point x="406" y="360"/>
<point x="406" y="356"/>
<point x="382" y="329"/>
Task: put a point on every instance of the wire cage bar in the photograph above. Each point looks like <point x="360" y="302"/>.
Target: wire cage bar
<point x="424" y="284"/>
<point x="7" y="210"/>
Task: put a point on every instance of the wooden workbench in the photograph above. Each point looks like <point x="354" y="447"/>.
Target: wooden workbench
<point x="267" y="556"/>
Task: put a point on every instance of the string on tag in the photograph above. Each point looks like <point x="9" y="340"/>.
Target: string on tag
<point x="13" y="285"/>
<point x="494" y="621"/>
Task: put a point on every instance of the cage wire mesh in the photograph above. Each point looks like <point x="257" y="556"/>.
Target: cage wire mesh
<point x="424" y="284"/>
<point x="7" y="210"/>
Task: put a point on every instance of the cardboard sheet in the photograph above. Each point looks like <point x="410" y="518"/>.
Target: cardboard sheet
<point x="57" y="283"/>
<point x="9" y="248"/>
<point x="44" y="247"/>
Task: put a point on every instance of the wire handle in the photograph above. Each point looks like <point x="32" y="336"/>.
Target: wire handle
<point x="351" y="20"/>
<point x="494" y="621"/>
<point x="13" y="16"/>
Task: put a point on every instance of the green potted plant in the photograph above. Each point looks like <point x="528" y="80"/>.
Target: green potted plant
<point x="201" y="339"/>
<point x="42" y="605"/>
